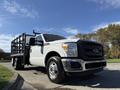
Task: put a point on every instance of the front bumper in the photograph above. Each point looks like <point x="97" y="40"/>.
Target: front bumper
<point x="79" y="65"/>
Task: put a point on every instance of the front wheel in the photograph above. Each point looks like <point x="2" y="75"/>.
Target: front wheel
<point x="55" y="70"/>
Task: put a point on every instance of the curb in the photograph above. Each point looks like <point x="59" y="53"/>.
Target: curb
<point x="13" y="83"/>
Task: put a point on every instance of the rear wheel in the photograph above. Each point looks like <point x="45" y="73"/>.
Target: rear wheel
<point x="17" y="64"/>
<point x="55" y="70"/>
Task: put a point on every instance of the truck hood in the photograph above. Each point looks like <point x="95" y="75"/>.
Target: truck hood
<point x="65" y="40"/>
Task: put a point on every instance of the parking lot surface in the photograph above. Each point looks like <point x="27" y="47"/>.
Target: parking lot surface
<point x="107" y="79"/>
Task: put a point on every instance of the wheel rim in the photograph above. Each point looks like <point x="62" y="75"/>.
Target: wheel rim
<point x="53" y="70"/>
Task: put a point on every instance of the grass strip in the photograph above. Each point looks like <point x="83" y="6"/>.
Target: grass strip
<point x="5" y="76"/>
<point x="113" y="60"/>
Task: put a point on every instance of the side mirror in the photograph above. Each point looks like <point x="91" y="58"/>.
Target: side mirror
<point x="32" y="41"/>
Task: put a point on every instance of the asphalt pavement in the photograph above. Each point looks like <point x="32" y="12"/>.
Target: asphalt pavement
<point x="109" y="79"/>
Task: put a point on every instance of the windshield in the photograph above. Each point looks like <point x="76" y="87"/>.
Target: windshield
<point x="51" y="37"/>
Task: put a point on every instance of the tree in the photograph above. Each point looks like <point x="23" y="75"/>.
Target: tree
<point x="109" y="37"/>
<point x="1" y="50"/>
<point x="4" y="55"/>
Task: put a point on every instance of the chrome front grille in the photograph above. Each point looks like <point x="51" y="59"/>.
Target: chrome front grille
<point x="90" y="50"/>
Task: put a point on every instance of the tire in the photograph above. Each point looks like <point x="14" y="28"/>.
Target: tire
<point x="18" y="65"/>
<point x="55" y="70"/>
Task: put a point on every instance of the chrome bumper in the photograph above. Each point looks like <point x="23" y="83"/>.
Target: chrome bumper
<point x="67" y="65"/>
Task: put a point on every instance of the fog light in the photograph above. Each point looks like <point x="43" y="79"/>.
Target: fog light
<point x="76" y="65"/>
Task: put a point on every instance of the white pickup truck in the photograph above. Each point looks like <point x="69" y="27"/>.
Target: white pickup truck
<point x="60" y="56"/>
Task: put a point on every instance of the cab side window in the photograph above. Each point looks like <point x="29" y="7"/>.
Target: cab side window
<point x="39" y="38"/>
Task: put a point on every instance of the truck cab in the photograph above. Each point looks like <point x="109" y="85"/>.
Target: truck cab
<point x="60" y="56"/>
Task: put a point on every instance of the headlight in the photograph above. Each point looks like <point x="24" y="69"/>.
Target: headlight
<point x="70" y="49"/>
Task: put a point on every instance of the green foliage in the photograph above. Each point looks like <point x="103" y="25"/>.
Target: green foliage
<point x="114" y="51"/>
<point x="109" y="37"/>
<point x="4" y="56"/>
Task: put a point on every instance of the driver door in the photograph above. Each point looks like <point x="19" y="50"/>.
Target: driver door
<point x="36" y="53"/>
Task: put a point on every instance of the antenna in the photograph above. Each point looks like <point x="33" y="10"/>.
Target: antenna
<point x="35" y="32"/>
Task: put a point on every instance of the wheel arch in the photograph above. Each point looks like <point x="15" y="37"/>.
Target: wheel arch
<point x="50" y="54"/>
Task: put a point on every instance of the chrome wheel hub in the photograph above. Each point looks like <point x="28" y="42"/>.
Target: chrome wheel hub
<point x="53" y="70"/>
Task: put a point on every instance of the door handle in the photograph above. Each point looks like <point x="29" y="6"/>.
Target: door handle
<point x="30" y="50"/>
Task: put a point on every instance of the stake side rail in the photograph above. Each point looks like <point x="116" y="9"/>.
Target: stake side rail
<point x="19" y="45"/>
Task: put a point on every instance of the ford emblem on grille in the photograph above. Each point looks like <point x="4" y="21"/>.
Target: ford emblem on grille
<point x="96" y="51"/>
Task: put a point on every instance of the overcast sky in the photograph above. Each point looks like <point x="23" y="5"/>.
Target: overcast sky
<point x="64" y="17"/>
